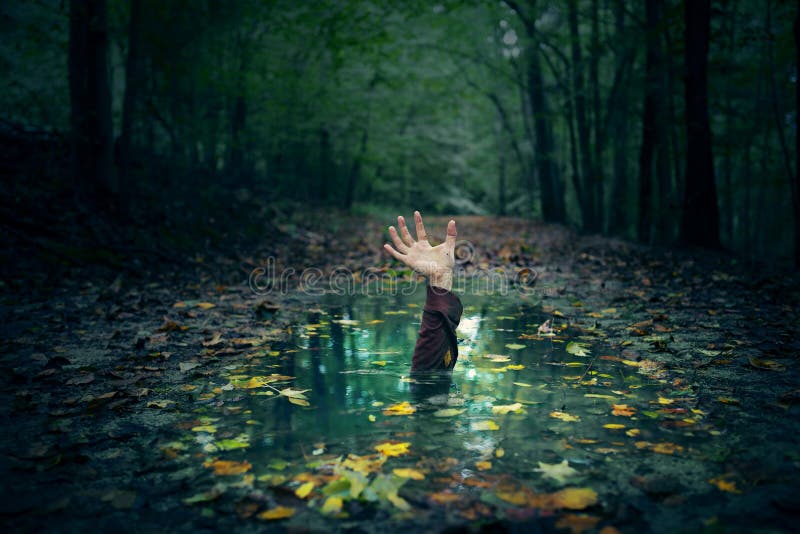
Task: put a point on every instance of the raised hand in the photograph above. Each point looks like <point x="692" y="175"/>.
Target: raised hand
<point x="434" y="262"/>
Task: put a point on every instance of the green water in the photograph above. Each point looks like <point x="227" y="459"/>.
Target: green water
<point x="353" y="356"/>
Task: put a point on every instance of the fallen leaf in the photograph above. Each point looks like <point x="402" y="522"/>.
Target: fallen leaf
<point x="205" y="305"/>
<point x="407" y="472"/>
<point x="229" y="467"/>
<point x="448" y="412"/>
<point x="393" y="449"/>
<point x="505" y="409"/>
<point x="622" y="410"/>
<point x="578" y="348"/>
<point x="333" y="505"/>
<point x="724" y="485"/>
<point x="577" y="524"/>
<point x="558" y="472"/>
<point x="444" y="497"/>
<point x="484" y="425"/>
<point x="187" y="366"/>
<point x="574" y="498"/>
<point x="215" y="340"/>
<point x="564" y="416"/>
<point x="515" y="346"/>
<point x="483" y="465"/>
<point x="768" y="365"/>
<point x="401" y="408"/>
<point x="381" y="363"/>
<point x="304" y="490"/>
<point x="279" y="512"/>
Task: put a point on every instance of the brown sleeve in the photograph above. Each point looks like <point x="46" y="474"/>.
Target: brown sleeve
<point x="437" y="347"/>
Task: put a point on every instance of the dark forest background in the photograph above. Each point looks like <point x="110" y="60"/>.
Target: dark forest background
<point x="133" y="122"/>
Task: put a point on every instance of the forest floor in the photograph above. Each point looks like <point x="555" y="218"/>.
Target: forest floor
<point x="98" y="364"/>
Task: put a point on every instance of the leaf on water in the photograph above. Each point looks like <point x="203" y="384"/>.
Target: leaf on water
<point x="577" y="524"/>
<point x="240" y="442"/>
<point x="578" y="348"/>
<point x="515" y="367"/>
<point x="522" y="384"/>
<point x="664" y="400"/>
<point x="515" y="346"/>
<point x="728" y="400"/>
<point x="295" y="396"/>
<point x="449" y="412"/>
<point x="484" y="425"/>
<point x="279" y="512"/>
<point x="574" y="498"/>
<point x="229" y="467"/>
<point x="332" y="506"/>
<point x="599" y="396"/>
<point x="381" y="363"/>
<point x="661" y="448"/>
<point x="204" y="428"/>
<point x="159" y="403"/>
<point x="724" y="485"/>
<point x="614" y="426"/>
<point x="304" y="490"/>
<point x="408" y="472"/>
<point x="345" y="322"/>
<point x="768" y="365"/>
<point x="206" y="496"/>
<point x="205" y="305"/>
<point x="393" y="449"/>
<point x="564" y="416"/>
<point x="401" y="408"/>
<point x="215" y="340"/>
<point x="622" y="410"/>
<point x="558" y="472"/>
<point x="187" y="366"/>
<point x="500" y="358"/>
<point x="503" y="410"/>
<point x="299" y="402"/>
<point x="445" y="497"/>
<point x="483" y="465"/>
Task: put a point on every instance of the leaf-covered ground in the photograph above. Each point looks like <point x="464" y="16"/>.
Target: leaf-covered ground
<point x="101" y="371"/>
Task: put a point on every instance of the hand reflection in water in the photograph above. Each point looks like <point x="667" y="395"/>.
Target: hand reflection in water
<point x="436" y="351"/>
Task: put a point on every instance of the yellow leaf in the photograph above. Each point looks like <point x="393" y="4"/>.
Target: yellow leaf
<point x="664" y="400"/>
<point x="407" y="472"/>
<point x="564" y="416"/>
<point x="666" y="448"/>
<point x="577" y="524"/>
<point x="279" y="512"/>
<point x="205" y="305"/>
<point x="371" y="418"/>
<point x="613" y="426"/>
<point x="522" y="384"/>
<point x="725" y="485"/>
<point x="228" y="467"/>
<point x="578" y="348"/>
<point x="204" y="428"/>
<point x="633" y="432"/>
<point x="500" y="452"/>
<point x="448" y="412"/>
<point x="382" y="363"/>
<point x="401" y="408"/>
<point x="333" y="505"/>
<point x="483" y="465"/>
<point x="299" y="402"/>
<point x="503" y="410"/>
<point x="515" y="367"/>
<point x="622" y="410"/>
<point x="393" y="449"/>
<point x="515" y="346"/>
<point x="574" y="498"/>
<point x="304" y="490"/>
<point x="364" y="464"/>
<point x="484" y="425"/>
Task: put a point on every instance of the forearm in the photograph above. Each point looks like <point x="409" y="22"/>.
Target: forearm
<point x="437" y="346"/>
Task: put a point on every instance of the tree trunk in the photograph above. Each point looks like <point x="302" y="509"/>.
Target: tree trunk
<point x="597" y="158"/>
<point x="700" y="220"/>
<point x="133" y="82"/>
<point x="355" y="171"/>
<point x="587" y="200"/>
<point x="617" y="217"/>
<point x="90" y="101"/>
<point x="796" y="188"/>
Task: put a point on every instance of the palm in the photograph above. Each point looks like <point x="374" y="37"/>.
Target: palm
<point x="418" y="254"/>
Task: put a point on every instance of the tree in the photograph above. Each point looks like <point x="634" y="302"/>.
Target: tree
<point x="700" y="220"/>
<point x="796" y="187"/>
<point x="90" y="103"/>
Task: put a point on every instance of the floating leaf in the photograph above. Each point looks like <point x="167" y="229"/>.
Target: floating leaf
<point x="448" y="412"/>
<point x="392" y="449"/>
<point x="574" y="498"/>
<point x="500" y="358"/>
<point x="187" y="366"/>
<point x="664" y="400"/>
<point x="401" y="408"/>
<point x="622" y="410"/>
<point x="558" y="472"/>
<point x="768" y="365"/>
<point x="332" y="506"/>
<point x="229" y="467"/>
<point x="503" y="410"/>
<point x="407" y="472"/>
<point x="205" y="305"/>
<point x="159" y="403"/>
<point x="515" y="346"/>
<point x="279" y="512"/>
<point x="724" y="485"/>
<point x="304" y="490"/>
<point x="614" y="426"/>
<point x="381" y="363"/>
<point x="206" y="496"/>
<point x="204" y="428"/>
<point x="577" y="524"/>
<point x="564" y="416"/>
<point x="365" y="464"/>
<point x="484" y="425"/>
<point x="578" y="348"/>
<point x="483" y="465"/>
<point x="522" y="384"/>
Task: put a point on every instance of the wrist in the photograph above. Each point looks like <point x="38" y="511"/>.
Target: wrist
<point x="443" y="280"/>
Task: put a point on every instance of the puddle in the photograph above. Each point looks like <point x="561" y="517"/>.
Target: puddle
<point x="484" y="443"/>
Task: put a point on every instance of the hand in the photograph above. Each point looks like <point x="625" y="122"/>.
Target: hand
<point x="434" y="262"/>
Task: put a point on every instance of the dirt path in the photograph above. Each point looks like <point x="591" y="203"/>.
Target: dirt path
<point x="97" y="371"/>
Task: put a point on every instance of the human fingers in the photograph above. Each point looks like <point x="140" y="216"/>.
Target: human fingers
<point x="407" y="239"/>
<point x="421" y="235"/>
<point x="398" y="243"/>
<point x="450" y="241"/>
<point x="388" y="248"/>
